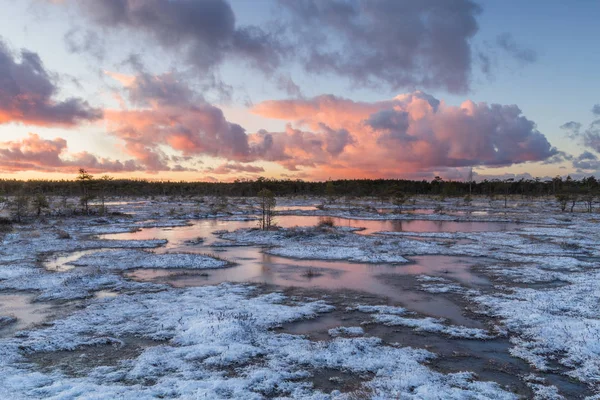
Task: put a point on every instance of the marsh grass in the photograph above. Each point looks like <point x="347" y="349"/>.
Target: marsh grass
<point x="311" y="273"/>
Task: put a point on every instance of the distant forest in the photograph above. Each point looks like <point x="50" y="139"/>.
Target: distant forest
<point x="106" y="186"/>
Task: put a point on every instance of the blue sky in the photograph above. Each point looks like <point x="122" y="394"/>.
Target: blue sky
<point x="559" y="85"/>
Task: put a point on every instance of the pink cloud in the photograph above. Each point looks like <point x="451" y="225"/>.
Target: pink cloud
<point x="228" y="168"/>
<point x="169" y="114"/>
<point x="34" y="153"/>
<point x="326" y="136"/>
<point x="410" y="133"/>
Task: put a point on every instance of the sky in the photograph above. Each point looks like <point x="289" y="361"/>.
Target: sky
<point x="218" y="90"/>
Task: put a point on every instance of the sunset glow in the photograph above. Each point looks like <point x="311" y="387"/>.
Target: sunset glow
<point x="136" y="89"/>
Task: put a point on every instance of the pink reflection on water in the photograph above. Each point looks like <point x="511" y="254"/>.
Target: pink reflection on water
<point x="253" y="265"/>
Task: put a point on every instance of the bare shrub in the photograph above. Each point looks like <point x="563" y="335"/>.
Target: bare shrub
<point x="326" y="222"/>
<point x="311" y="273"/>
<point x="63" y="234"/>
<point x="5" y="225"/>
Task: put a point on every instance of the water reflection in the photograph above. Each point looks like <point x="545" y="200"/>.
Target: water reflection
<point x="204" y="228"/>
<point x="296" y="208"/>
<point x="60" y="262"/>
<point x="253" y="265"/>
<point x="419" y="226"/>
<point x="22" y="307"/>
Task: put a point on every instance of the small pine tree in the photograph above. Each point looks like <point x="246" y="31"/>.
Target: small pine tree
<point x="399" y="199"/>
<point x="84" y="180"/>
<point x="103" y="185"/>
<point x="18" y="206"/>
<point x="40" y="202"/>
<point x="267" y="204"/>
<point x="330" y="191"/>
<point x="562" y="200"/>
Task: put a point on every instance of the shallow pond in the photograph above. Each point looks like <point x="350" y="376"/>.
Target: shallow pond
<point x="253" y="265"/>
<point x="415" y="225"/>
<point x="204" y="228"/>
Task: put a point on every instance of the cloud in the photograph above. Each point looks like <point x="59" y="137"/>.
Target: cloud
<point x="325" y="136"/>
<point x="391" y="43"/>
<point x="204" y="31"/>
<point x="294" y="147"/>
<point x="78" y="40"/>
<point x="169" y="114"/>
<point x="572" y="129"/>
<point x="287" y="84"/>
<point x="558" y="157"/>
<point x="586" y="161"/>
<point x="410" y="133"/>
<point x="162" y="115"/>
<point x="395" y="44"/>
<point x="590" y="136"/>
<point x="228" y="168"/>
<point x="28" y="94"/>
<point x="507" y="43"/>
<point x="33" y="153"/>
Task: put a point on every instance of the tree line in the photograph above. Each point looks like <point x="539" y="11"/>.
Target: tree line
<point x="22" y="197"/>
<point x="100" y="187"/>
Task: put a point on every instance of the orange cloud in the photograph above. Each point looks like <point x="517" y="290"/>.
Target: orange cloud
<point x="413" y="134"/>
<point x="33" y="153"/>
<point x="410" y="135"/>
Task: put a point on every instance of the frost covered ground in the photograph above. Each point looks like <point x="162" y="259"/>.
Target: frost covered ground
<point x="74" y="323"/>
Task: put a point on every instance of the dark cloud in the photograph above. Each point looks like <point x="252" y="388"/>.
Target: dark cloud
<point x="558" y="158"/>
<point x="586" y="155"/>
<point x="586" y="161"/>
<point x="34" y="153"/>
<point x="386" y="43"/>
<point x="590" y="136"/>
<point x="508" y="44"/>
<point x="572" y="128"/>
<point x="393" y="43"/>
<point x="162" y="90"/>
<point x="393" y="125"/>
<point x="336" y="140"/>
<point x="28" y="94"/>
<point x="205" y="31"/>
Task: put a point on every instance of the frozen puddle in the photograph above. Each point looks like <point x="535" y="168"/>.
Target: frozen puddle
<point x="254" y="266"/>
<point x="61" y="262"/>
<point x="23" y="313"/>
